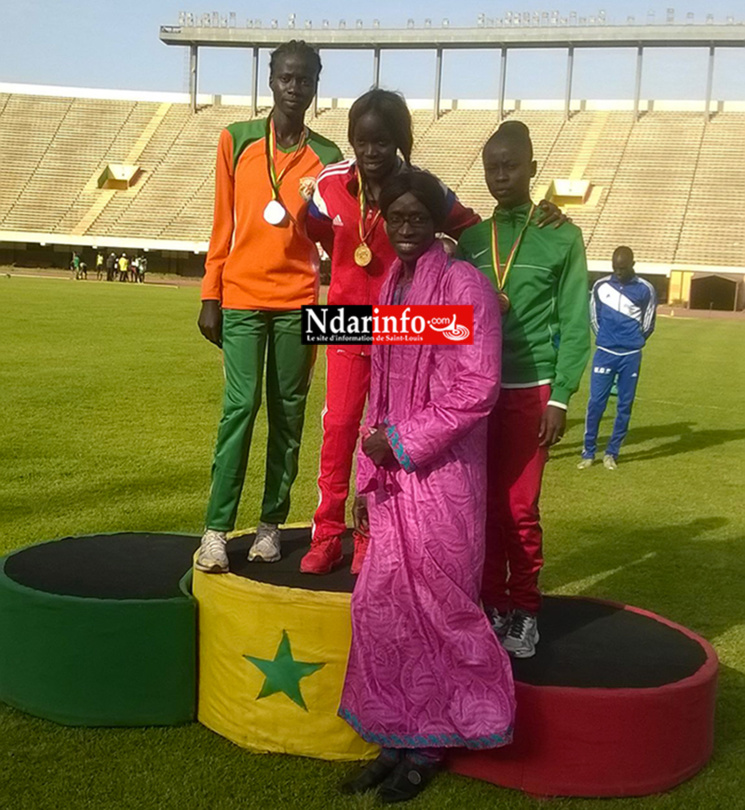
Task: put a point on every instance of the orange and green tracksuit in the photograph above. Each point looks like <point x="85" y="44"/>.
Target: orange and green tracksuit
<point x="261" y="274"/>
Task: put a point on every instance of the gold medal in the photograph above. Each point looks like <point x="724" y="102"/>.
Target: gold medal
<point x="504" y="302"/>
<point x="362" y="255"/>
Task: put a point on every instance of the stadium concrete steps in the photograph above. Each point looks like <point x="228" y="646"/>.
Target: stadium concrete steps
<point x="332" y="124"/>
<point x="68" y="163"/>
<point x="186" y="189"/>
<point x="670" y="184"/>
<point x="93" y="200"/>
<point x="452" y="142"/>
<point x="713" y="229"/>
<point x="646" y="203"/>
<point x="28" y="128"/>
<point x="130" y="213"/>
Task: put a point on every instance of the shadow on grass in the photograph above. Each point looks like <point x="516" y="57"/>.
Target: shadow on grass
<point x="730" y="724"/>
<point x="681" y="436"/>
<point x="136" y="502"/>
<point x="693" y="572"/>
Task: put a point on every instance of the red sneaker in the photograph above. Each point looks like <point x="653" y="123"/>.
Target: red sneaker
<point x="361" y="542"/>
<point x="324" y="555"/>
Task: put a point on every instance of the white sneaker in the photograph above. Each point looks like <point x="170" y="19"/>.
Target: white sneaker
<point x="265" y="547"/>
<point x="212" y="557"/>
<point x="585" y="463"/>
<point x="500" y="622"/>
<point x="609" y="462"/>
<point x="523" y="635"/>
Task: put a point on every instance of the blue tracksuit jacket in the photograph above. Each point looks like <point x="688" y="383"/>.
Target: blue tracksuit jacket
<point x="623" y="315"/>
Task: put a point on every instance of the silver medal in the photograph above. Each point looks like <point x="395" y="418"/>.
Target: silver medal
<point x="275" y="212"/>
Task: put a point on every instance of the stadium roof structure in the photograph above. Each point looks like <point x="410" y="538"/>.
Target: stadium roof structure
<point x="222" y="34"/>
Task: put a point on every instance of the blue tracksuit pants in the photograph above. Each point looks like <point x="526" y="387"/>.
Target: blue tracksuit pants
<point x="607" y="368"/>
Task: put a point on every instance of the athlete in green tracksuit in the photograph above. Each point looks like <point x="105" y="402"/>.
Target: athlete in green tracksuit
<point x="541" y="278"/>
<point x="545" y="331"/>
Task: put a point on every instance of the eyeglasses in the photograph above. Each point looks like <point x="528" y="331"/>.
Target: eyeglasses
<point x="417" y="221"/>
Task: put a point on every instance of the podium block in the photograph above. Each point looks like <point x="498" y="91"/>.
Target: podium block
<point x="273" y="653"/>
<point x="100" y="630"/>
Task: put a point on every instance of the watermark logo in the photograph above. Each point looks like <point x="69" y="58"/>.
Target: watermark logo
<point x="453" y="330"/>
<point x="422" y="325"/>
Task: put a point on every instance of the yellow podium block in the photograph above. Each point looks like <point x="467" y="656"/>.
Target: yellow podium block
<point x="272" y="658"/>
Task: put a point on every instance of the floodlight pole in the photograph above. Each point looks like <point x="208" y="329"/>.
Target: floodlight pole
<point x="255" y="84"/>
<point x="438" y="82"/>
<point x="638" y="90"/>
<point x="570" y="72"/>
<point x="376" y="68"/>
<point x="502" y="81"/>
<point x="193" y="65"/>
<point x="709" y="82"/>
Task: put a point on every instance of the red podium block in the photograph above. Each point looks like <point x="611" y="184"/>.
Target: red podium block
<point x="617" y="702"/>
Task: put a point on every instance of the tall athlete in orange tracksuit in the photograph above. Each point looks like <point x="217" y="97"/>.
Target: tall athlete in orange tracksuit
<point x="260" y="269"/>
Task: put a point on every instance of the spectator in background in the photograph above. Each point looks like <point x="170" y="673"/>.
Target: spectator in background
<point x="99" y="266"/>
<point x="142" y="269"/>
<point x="622" y="311"/>
<point x="111" y="266"/>
<point x="75" y="264"/>
<point x="123" y="267"/>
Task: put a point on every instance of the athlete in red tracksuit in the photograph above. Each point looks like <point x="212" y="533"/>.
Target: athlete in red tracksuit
<point x="344" y="215"/>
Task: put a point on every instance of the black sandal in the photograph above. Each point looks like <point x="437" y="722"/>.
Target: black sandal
<point x="407" y="780"/>
<point x="373" y="774"/>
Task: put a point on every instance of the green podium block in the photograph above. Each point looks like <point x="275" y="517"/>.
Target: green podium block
<point x="100" y="630"/>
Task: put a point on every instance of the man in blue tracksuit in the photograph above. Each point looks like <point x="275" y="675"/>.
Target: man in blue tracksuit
<point x="623" y="314"/>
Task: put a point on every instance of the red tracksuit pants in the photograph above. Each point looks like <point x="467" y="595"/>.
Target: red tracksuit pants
<point x="515" y="462"/>
<point x="347" y="382"/>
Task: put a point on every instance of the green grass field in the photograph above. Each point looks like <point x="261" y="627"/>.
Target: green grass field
<point x="110" y="401"/>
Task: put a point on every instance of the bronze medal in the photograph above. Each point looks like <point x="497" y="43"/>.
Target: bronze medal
<point x="362" y="255"/>
<point x="504" y="302"/>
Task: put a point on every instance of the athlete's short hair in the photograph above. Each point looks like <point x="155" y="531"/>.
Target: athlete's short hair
<point x="624" y="250"/>
<point x="424" y="186"/>
<point x="514" y="132"/>
<point x="391" y="107"/>
<point x="295" y="47"/>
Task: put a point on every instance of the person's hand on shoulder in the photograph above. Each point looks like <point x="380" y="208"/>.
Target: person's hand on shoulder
<point x="551" y="214"/>
<point x="450" y="245"/>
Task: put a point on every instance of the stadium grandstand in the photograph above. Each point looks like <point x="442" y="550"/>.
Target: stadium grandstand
<point x="87" y="169"/>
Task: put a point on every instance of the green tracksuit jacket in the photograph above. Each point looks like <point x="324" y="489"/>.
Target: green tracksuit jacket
<point x="546" y="332"/>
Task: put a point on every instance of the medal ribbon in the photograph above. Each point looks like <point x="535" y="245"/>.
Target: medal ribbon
<point x="271" y="151"/>
<point x="503" y="273"/>
<point x="364" y="234"/>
